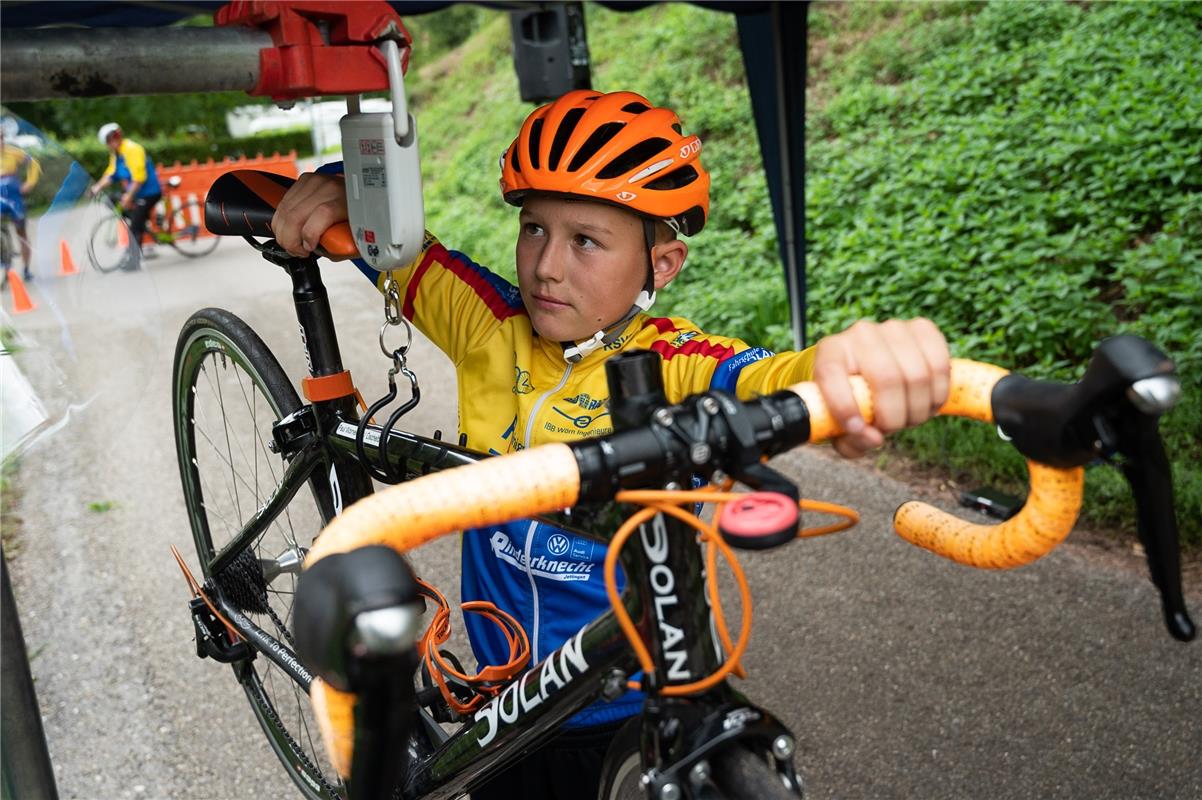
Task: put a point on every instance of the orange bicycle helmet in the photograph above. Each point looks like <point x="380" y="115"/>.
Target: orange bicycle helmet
<point x="616" y="148"/>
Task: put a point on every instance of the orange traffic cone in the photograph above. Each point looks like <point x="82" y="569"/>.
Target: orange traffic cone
<point x="66" y="262"/>
<point x="21" y="301"/>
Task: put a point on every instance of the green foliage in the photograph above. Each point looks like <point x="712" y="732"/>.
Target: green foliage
<point x="101" y="506"/>
<point x="144" y="118"/>
<point x="94" y="157"/>
<point x="1031" y="180"/>
<point x="468" y="112"/>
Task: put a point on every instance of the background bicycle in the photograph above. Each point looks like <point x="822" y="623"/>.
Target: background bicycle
<point x="175" y="222"/>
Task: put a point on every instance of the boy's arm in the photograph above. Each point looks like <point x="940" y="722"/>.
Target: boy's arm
<point x="454" y="302"/>
<point x="905" y="362"/>
<point x="33" y="171"/>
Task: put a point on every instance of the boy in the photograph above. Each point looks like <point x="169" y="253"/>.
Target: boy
<point x="605" y="183"/>
<point x="132" y="167"/>
<point x="14" y="161"/>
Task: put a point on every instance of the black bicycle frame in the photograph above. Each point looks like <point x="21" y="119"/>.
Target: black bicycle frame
<point x="664" y="569"/>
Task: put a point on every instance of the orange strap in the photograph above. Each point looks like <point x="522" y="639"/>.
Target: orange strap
<point x="328" y="387"/>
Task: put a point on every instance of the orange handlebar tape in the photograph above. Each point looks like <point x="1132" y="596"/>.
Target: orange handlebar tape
<point x="328" y="387"/>
<point x="1048" y="516"/>
<point x="1052" y="504"/>
<point x="535" y="481"/>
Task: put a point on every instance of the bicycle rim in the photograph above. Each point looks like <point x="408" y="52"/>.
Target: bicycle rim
<point x="188" y="235"/>
<point x="109" y="246"/>
<point x="228" y="392"/>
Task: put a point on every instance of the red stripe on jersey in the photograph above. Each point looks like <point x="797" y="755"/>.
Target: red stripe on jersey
<point x="411" y="290"/>
<point x="465" y="272"/>
<point x="698" y="347"/>
<point x="662" y="324"/>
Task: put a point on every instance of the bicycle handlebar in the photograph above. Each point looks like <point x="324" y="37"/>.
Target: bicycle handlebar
<point x="556" y="476"/>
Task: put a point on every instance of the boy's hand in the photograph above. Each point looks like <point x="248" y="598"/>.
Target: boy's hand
<point x="313" y="204"/>
<point x="906" y="364"/>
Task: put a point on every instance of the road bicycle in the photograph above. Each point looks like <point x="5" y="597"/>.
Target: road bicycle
<point x="336" y="616"/>
<point x="176" y="223"/>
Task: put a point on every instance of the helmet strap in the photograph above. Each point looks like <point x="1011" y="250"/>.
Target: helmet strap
<point x="577" y="351"/>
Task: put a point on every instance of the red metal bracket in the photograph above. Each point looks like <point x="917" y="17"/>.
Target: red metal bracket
<point x="321" y="47"/>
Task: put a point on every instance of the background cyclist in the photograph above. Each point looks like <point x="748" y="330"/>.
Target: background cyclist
<point x="131" y="167"/>
<point x="14" y="161"/>
<point x="606" y="183"/>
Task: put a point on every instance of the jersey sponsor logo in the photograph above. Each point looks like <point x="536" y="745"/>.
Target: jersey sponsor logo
<point x="581" y="421"/>
<point x="556" y="569"/>
<point x="685" y="336"/>
<point x="521" y="383"/>
<point x="526" y="694"/>
<point x="558" y="544"/>
<point x="585" y="401"/>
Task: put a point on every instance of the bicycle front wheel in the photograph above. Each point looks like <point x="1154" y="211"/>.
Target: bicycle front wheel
<point x="188" y="233"/>
<point x="228" y="391"/>
<point x="110" y="246"/>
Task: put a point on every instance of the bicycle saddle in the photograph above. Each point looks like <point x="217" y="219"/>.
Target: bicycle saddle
<point x="242" y="203"/>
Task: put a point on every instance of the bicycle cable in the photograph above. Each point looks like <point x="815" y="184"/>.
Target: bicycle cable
<point x="668" y="502"/>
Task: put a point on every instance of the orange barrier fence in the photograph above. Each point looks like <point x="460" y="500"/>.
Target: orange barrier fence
<point x="196" y="178"/>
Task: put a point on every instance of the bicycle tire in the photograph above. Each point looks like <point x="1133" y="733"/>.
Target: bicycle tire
<point x="739" y="773"/>
<point x="227" y="391"/>
<point x="735" y="772"/>
<point x="188" y="235"/>
<point x="104" y="245"/>
<point x="622" y="769"/>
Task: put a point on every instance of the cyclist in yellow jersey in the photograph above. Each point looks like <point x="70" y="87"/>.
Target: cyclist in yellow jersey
<point x="606" y="183"/>
<point x="132" y="168"/>
<point x="14" y="161"/>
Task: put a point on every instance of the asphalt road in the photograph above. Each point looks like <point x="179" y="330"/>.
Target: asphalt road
<point x="902" y="675"/>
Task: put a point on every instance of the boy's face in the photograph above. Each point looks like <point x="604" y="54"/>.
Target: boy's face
<point x="580" y="265"/>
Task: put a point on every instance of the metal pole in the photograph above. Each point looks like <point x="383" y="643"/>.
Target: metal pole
<point x="26" y="761"/>
<point x="47" y="63"/>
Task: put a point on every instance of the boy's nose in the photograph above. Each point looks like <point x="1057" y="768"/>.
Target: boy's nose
<point x="550" y="264"/>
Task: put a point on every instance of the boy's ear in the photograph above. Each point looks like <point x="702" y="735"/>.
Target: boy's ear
<point x="667" y="259"/>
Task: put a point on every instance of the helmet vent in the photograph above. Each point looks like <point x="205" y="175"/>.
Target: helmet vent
<point x="513" y="160"/>
<point x="594" y="143"/>
<point x="648" y="148"/>
<point x="674" y="179"/>
<point x="565" y="130"/>
<point x="536" y="135"/>
<point x="636" y="108"/>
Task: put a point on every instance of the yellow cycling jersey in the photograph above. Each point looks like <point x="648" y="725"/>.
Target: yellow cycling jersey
<point x="13" y="159"/>
<point x="515" y="388"/>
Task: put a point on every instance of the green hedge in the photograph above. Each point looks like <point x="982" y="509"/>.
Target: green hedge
<point x="1033" y="186"/>
<point x="94" y="157"/>
<point x="1025" y="174"/>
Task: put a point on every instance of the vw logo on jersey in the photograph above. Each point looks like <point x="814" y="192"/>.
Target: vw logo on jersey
<point x="557" y="544"/>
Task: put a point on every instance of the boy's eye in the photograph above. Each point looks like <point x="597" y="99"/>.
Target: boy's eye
<point x="583" y="241"/>
<point x="531" y="229"/>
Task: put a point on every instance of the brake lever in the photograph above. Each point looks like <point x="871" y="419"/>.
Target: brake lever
<point x="1146" y="467"/>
